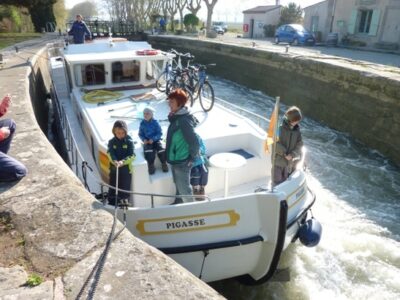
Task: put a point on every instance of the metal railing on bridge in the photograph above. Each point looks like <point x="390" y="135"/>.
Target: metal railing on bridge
<point x="101" y="28"/>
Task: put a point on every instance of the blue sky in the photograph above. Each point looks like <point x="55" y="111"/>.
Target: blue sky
<point x="225" y="10"/>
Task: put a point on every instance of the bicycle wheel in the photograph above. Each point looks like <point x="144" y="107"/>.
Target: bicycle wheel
<point x="196" y="90"/>
<point x="190" y="96"/>
<point x="206" y="96"/>
<point x="161" y="82"/>
<point x="174" y="85"/>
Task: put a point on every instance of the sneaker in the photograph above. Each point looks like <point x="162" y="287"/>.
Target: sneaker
<point x="152" y="169"/>
<point x="164" y="167"/>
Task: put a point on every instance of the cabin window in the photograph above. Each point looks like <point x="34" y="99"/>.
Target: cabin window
<point x="125" y="71"/>
<point x="154" y="68"/>
<point x="90" y="74"/>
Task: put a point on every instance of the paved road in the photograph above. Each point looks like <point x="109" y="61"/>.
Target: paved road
<point x="360" y="55"/>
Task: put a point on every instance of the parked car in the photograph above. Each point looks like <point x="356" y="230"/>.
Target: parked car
<point x="294" y="34"/>
<point x="222" y="24"/>
<point x="218" y="29"/>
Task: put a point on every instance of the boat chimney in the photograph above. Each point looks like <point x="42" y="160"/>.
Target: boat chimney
<point x="278" y="2"/>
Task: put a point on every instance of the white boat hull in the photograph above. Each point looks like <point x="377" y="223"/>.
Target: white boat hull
<point x="239" y="235"/>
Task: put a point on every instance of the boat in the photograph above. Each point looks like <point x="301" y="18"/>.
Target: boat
<point x="243" y="225"/>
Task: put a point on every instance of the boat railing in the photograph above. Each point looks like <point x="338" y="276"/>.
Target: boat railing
<point x="74" y="155"/>
<point x="259" y="120"/>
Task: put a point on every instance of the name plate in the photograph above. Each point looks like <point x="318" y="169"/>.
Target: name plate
<point x="177" y="224"/>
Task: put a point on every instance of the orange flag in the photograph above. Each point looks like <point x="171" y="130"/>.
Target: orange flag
<point x="272" y="128"/>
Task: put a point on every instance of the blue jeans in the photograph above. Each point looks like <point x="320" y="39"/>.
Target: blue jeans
<point x="10" y="168"/>
<point x="181" y="177"/>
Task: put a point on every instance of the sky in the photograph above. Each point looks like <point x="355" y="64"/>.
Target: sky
<point x="225" y="10"/>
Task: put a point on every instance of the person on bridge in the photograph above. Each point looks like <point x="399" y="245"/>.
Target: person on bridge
<point x="150" y="133"/>
<point x="79" y="30"/>
<point x="288" y="147"/>
<point x="182" y="144"/>
<point x="10" y="168"/>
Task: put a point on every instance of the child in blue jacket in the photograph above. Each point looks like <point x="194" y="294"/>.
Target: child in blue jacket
<point x="199" y="171"/>
<point x="121" y="153"/>
<point x="150" y="133"/>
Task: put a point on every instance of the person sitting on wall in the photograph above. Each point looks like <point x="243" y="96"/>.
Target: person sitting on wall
<point x="10" y="168"/>
<point x="78" y="30"/>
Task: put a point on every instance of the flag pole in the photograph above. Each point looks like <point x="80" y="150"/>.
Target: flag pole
<point x="274" y="140"/>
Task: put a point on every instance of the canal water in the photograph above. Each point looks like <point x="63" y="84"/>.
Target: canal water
<point x="358" y="204"/>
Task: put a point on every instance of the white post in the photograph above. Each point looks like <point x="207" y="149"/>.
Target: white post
<point x="226" y="184"/>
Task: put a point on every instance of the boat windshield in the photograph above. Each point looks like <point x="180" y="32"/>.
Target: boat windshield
<point x="89" y="74"/>
<point x="154" y="68"/>
<point x="125" y="71"/>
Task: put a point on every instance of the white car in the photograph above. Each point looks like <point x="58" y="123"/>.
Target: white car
<point x="218" y="29"/>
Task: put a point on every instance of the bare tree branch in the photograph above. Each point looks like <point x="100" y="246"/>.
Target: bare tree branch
<point x="210" y="7"/>
<point x="181" y="5"/>
<point x="194" y="6"/>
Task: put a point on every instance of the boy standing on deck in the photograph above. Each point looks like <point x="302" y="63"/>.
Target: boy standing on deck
<point x="288" y="147"/>
<point x="121" y="154"/>
<point x="150" y="133"/>
<point x="199" y="172"/>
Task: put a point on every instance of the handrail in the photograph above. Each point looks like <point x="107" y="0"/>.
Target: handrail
<point x="242" y="110"/>
<point x="72" y="146"/>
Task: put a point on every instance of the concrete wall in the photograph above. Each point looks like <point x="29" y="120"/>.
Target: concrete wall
<point x="346" y="97"/>
<point x="50" y="225"/>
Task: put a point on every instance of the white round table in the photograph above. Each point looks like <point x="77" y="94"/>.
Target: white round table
<point x="227" y="161"/>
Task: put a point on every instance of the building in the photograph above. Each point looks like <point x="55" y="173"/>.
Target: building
<point x="256" y="18"/>
<point x="373" y="23"/>
<point x="318" y="19"/>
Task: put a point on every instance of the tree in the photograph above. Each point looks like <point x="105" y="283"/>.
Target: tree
<point x="172" y="9"/>
<point x="41" y="11"/>
<point x="210" y="7"/>
<point x="181" y="5"/>
<point x="291" y="14"/>
<point x="13" y="16"/>
<point x="190" y="21"/>
<point x="60" y="13"/>
<point x="194" y="6"/>
<point x="86" y="9"/>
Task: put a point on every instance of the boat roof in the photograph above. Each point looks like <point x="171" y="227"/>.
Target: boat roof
<point x="214" y="125"/>
<point x="107" y="51"/>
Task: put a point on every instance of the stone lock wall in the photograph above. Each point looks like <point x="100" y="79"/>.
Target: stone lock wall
<point x="362" y="101"/>
<point x="51" y="226"/>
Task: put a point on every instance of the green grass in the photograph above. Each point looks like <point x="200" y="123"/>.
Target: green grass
<point x="34" y="280"/>
<point x="8" y="39"/>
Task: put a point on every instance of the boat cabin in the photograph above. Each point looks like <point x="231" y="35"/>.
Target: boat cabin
<point x="113" y="64"/>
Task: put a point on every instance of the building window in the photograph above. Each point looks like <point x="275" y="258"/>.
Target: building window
<point x="365" y="20"/>
<point x="314" y="23"/>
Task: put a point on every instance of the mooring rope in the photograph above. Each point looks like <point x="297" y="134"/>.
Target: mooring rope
<point x="99" y="266"/>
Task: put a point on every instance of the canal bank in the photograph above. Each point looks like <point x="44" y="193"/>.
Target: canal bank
<point x="50" y="225"/>
<point x="358" y="98"/>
